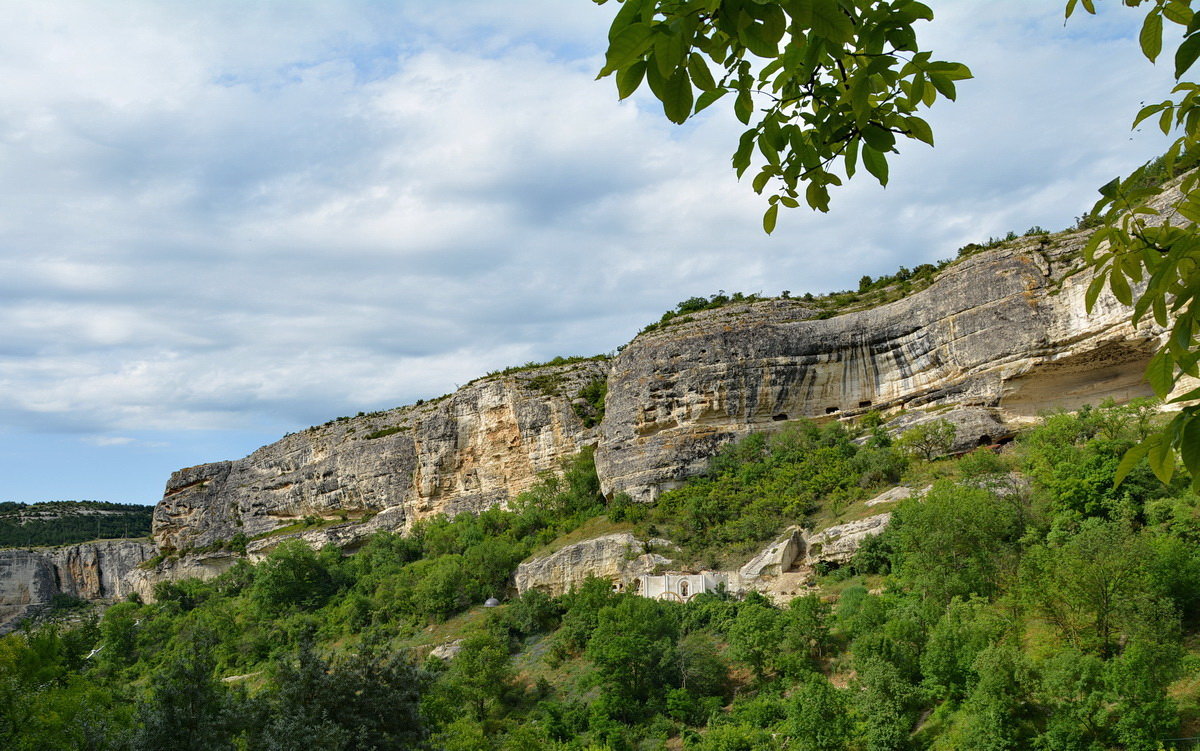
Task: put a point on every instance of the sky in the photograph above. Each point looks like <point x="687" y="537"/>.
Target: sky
<point x="221" y="221"/>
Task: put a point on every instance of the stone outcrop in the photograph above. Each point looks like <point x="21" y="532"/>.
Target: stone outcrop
<point x="100" y="570"/>
<point x="839" y="544"/>
<point x="777" y="557"/>
<point x="620" y="558"/>
<point x="471" y="450"/>
<point x="1004" y="331"/>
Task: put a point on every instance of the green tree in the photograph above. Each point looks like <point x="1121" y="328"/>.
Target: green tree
<point x="1094" y="586"/>
<point x="928" y="440"/>
<point x="819" y="715"/>
<point x="820" y="84"/>
<point x="292" y="576"/>
<point x="187" y="708"/>
<point x="366" y="700"/>
<point x="965" y="630"/>
<point x="633" y="650"/>
<point x="756" y="636"/>
<point x="956" y="541"/>
<point x="885" y="706"/>
<point x="479" y="676"/>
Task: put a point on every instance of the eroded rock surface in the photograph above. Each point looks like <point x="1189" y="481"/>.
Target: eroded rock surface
<point x="99" y="570"/>
<point x="471" y="450"/>
<point x="620" y="558"/>
<point x="1005" y="332"/>
<point x="839" y="544"/>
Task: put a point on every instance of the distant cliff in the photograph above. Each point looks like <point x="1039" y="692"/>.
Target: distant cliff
<point x="100" y="570"/>
<point x="1003" y="332"/>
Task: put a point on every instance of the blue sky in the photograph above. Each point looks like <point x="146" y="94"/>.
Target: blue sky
<point x="224" y="221"/>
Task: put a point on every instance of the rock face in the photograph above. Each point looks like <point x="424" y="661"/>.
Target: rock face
<point x="92" y="571"/>
<point x="471" y="450"/>
<point x="1004" y="331"/>
<point x="777" y="557"/>
<point x="839" y="544"/>
<point x="619" y="558"/>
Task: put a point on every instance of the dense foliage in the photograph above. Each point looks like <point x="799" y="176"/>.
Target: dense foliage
<point x="758" y="485"/>
<point x="1023" y="602"/>
<point x="66" y="522"/>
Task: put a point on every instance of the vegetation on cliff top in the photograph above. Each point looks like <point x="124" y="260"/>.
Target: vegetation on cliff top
<point x="68" y="522"/>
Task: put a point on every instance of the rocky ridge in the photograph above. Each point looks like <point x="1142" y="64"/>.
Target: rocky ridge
<point x="996" y="338"/>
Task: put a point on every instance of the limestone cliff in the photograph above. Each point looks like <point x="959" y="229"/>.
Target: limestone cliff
<point x="998" y="337"/>
<point x="620" y="558"/>
<point x="473" y="449"/>
<point x="100" y="570"/>
<point x="1005" y="330"/>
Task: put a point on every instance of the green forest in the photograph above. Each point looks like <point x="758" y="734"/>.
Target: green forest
<point x="1024" y="603"/>
<point x="67" y="522"/>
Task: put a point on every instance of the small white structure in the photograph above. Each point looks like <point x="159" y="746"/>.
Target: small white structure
<point x="680" y="587"/>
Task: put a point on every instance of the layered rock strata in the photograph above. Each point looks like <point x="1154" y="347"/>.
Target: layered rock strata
<point x="1005" y="332"/>
<point x="101" y="570"/>
<point x="474" y="449"/>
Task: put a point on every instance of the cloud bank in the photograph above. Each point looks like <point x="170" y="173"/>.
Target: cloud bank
<point x="231" y="220"/>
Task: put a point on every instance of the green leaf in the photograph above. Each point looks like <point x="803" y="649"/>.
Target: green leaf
<point x="677" y="96"/>
<point x="743" y="107"/>
<point x="701" y="76"/>
<point x="1093" y="291"/>
<point x="626" y="47"/>
<point x="1130" y="460"/>
<point x="830" y="22"/>
<point x="943" y="84"/>
<point x="1151" y="36"/>
<point x="669" y="52"/>
<point x="707" y="98"/>
<point x="851" y="158"/>
<point x="1164" y="121"/>
<point x="629" y="12"/>
<point x="1177" y="11"/>
<point x="761" y="180"/>
<point x="1160" y="373"/>
<point x="629" y="79"/>
<point x="919" y="129"/>
<point x="1189" y="446"/>
<point x="1120" y="287"/>
<point x="741" y="157"/>
<point x="770" y="218"/>
<point x="1187" y="54"/>
<point x="774" y="24"/>
<point x="817" y="196"/>
<point x="768" y="149"/>
<point x="916" y="91"/>
<point x="1161" y="461"/>
<point x="878" y="138"/>
<point x="1147" y="111"/>
<point x="1189" y="210"/>
<point x="876" y="163"/>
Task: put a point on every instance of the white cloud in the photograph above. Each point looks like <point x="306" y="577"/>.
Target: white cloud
<point x="223" y="217"/>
